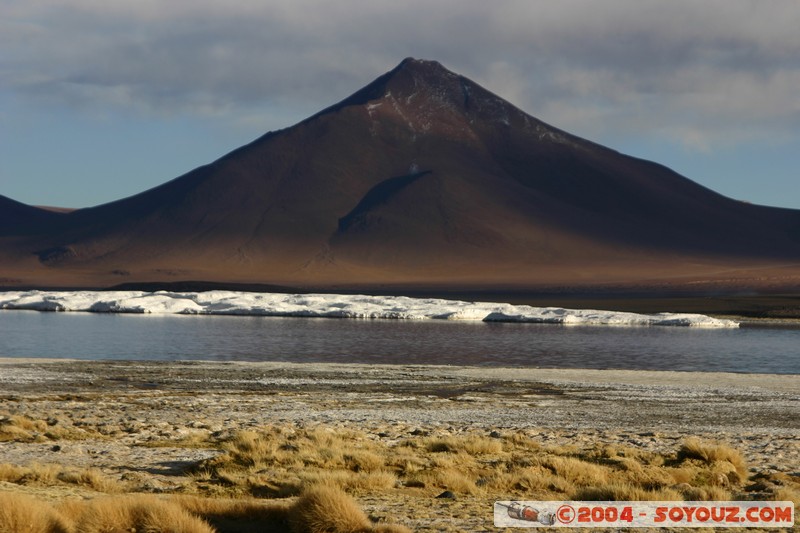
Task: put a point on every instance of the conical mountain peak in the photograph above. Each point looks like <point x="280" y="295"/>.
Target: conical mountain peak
<point x="408" y="78"/>
<point x="424" y="67"/>
<point x="414" y="75"/>
<point x="421" y="177"/>
<point x="428" y="98"/>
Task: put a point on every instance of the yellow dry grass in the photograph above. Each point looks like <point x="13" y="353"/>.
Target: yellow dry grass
<point x="320" y="509"/>
<point x="470" y="444"/>
<point x="92" y="478"/>
<point x="788" y="494"/>
<point x="20" y="428"/>
<point x="327" y="509"/>
<point x="240" y="515"/>
<point x="620" y="491"/>
<point x="713" y="453"/>
<point x="137" y="513"/>
<point x="321" y="465"/>
<point x="21" y="513"/>
<point x="282" y="461"/>
<point x="50" y="474"/>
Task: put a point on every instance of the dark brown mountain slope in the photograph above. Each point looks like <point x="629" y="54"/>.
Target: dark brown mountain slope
<point x="18" y="219"/>
<point x="423" y="177"/>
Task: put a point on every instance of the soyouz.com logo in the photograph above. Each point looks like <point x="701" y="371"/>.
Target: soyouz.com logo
<point x="643" y="514"/>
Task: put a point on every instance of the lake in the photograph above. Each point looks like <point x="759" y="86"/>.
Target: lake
<point x="241" y="338"/>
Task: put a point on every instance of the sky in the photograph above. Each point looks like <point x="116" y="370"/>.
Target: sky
<point x="104" y="99"/>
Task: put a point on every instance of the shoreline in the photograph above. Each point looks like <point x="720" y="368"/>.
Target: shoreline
<point x="579" y="398"/>
<point x="775" y="382"/>
<point x="772" y="381"/>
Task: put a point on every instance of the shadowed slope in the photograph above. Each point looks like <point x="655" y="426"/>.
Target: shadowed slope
<point x="20" y="219"/>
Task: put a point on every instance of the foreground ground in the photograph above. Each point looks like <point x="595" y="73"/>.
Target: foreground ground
<point x="393" y="437"/>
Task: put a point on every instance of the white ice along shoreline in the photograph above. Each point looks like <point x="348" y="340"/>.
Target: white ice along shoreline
<point x="334" y="306"/>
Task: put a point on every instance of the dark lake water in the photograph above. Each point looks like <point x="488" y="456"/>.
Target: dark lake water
<point x="226" y="338"/>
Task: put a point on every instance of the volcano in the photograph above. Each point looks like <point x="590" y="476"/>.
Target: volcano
<point x="423" y="178"/>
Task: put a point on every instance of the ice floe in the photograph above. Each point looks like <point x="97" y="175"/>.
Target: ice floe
<point x="334" y="306"/>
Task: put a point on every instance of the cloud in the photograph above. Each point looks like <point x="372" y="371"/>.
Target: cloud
<point x="702" y="73"/>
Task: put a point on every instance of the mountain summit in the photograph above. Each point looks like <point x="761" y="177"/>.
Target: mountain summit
<point x="421" y="178"/>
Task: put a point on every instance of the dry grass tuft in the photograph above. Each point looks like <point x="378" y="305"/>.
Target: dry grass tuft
<point x="280" y="462"/>
<point x="578" y="471"/>
<point x="706" y="494"/>
<point x="20" y="428"/>
<point x="469" y="444"/>
<point x="364" y="461"/>
<point x="52" y="474"/>
<point x="33" y="474"/>
<point x="788" y="494"/>
<point x="529" y="480"/>
<point x="453" y="480"/>
<point x="625" y="492"/>
<point x="241" y="516"/>
<point x="92" y="478"/>
<point x="11" y="473"/>
<point x="20" y="513"/>
<point x="320" y="509"/>
<point x="711" y="453"/>
<point x="138" y="513"/>
<point x="324" y="509"/>
<point x="16" y="428"/>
